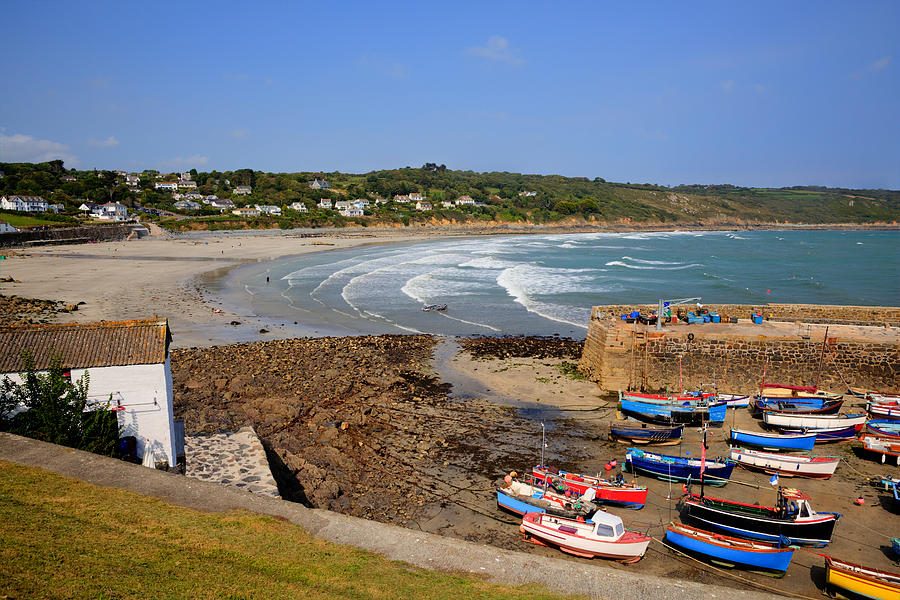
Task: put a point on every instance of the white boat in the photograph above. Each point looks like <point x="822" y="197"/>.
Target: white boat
<point x="884" y="409"/>
<point x="788" y="465"/>
<point x="734" y="400"/>
<point x="604" y="537"/>
<point x="803" y="422"/>
<point x="883" y="398"/>
<point x="883" y="446"/>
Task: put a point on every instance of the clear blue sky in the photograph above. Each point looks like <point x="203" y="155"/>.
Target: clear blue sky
<point x="750" y="93"/>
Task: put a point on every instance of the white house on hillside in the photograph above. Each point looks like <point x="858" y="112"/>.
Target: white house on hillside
<point x="324" y="203"/>
<point x="299" y="207"/>
<point x="126" y="360"/>
<point x="23" y="203"/>
<point x="269" y="209"/>
<point x="166" y="185"/>
<point x="319" y="184"/>
<point x="243" y="190"/>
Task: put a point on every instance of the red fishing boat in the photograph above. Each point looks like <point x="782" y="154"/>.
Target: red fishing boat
<point x="617" y="491"/>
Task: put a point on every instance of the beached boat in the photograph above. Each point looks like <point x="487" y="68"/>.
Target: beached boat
<point x="677" y="468"/>
<point x="777" y="391"/>
<point x="686" y="398"/>
<point x="836" y="434"/>
<point x="660" y="436"/>
<point x="886" y="428"/>
<point x="789" y="422"/>
<point x="674" y="413"/>
<point x="826" y="407"/>
<point x="730" y="551"/>
<point x="619" y="491"/>
<point x="734" y="400"/>
<point x="605" y="537"/>
<point x="882" y="446"/>
<point x="883" y="398"/>
<point x="791" y="521"/>
<point x="520" y="497"/>
<point x="861" y="581"/>
<point x="774" y="441"/>
<point x="883" y="410"/>
<point x="787" y="465"/>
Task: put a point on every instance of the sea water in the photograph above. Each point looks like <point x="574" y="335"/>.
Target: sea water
<point x="547" y="284"/>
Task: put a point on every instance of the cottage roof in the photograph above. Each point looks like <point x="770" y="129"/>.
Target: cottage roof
<point x="83" y="345"/>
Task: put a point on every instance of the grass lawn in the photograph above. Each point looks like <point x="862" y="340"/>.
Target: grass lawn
<point x="17" y="220"/>
<point x="60" y="537"/>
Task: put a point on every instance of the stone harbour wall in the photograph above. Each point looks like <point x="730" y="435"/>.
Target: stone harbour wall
<point x="807" y="313"/>
<point x="99" y="232"/>
<point x="733" y="357"/>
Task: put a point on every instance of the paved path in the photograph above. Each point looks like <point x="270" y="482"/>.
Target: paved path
<point x="396" y="543"/>
<point x="237" y="459"/>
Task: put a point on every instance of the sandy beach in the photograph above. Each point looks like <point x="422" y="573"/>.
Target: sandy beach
<point x="162" y="275"/>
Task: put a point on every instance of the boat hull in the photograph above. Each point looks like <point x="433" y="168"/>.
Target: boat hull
<point x="771" y="441"/>
<point x="676" y="468"/>
<point x="886" y="428"/>
<point x="715" y="513"/>
<point x="669" y="413"/>
<point x="734" y="551"/>
<point x="645" y="435"/>
<point x="808" y="422"/>
<point x="626" y="494"/>
<point x="868" y="583"/>
<point x="884" y="447"/>
<point x="829" y="407"/>
<point x="787" y="465"/>
<point x="545" y="530"/>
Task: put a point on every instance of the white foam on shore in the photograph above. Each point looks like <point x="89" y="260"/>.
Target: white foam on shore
<point x="523" y="281"/>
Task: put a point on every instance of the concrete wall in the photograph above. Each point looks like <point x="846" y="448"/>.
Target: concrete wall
<point x="807" y="313"/>
<point x="145" y="392"/>
<point x="619" y="356"/>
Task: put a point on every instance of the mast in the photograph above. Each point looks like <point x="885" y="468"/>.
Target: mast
<point x="821" y="358"/>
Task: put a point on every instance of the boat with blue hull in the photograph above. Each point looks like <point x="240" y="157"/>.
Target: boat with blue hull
<point x="791" y="521"/>
<point x="677" y="468"/>
<point x="675" y="413"/>
<point x="641" y="434"/>
<point x="730" y="551"/>
<point x="886" y="428"/>
<point x="521" y="498"/>
<point x="774" y="441"/>
<point x="828" y="407"/>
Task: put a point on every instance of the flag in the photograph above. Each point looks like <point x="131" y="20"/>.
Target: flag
<point x="703" y="456"/>
<point x="774" y="479"/>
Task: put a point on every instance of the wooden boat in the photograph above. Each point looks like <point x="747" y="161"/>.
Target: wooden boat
<point x="787" y="465"/>
<point x="836" y="434"/>
<point x="734" y="400"/>
<point x="774" y="441"/>
<point x="826" y="407"/>
<point x="685" y="398"/>
<point x="606" y="537"/>
<point x="791" y="521"/>
<point x="660" y="436"/>
<point x="677" y="468"/>
<point x="788" y="422"/>
<point x="883" y="410"/>
<point x="883" y="398"/>
<point x="520" y="497"/>
<point x="777" y="391"/>
<point x="620" y="492"/>
<point x="882" y="446"/>
<point x="886" y="428"/>
<point x="861" y="581"/>
<point x="672" y="413"/>
<point x="730" y="551"/>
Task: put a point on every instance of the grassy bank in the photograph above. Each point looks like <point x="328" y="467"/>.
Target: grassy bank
<point x="63" y="538"/>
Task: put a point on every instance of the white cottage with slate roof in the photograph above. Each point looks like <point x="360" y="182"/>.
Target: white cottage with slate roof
<point x="128" y="360"/>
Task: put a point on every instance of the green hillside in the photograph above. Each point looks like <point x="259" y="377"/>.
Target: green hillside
<point x="499" y="197"/>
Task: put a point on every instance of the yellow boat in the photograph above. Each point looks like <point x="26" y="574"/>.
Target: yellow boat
<point x="862" y="581"/>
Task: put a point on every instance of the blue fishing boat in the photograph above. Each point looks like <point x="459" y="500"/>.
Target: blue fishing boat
<point x="835" y="434"/>
<point x="889" y="428"/>
<point x="672" y="413"/>
<point x="730" y="551"/>
<point x="774" y="441"/>
<point x="677" y="468"/>
<point x="641" y="434"/>
<point x="828" y="407"/>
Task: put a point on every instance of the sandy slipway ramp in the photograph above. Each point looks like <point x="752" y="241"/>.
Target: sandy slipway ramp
<point x="396" y="543"/>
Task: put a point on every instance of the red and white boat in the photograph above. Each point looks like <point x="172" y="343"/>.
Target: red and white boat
<point x="788" y="465"/>
<point x="604" y="537"/>
<point x="883" y="410"/>
<point x="619" y="491"/>
<point x="883" y="446"/>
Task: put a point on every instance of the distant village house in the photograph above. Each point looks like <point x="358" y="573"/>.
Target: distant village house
<point x="324" y="203"/>
<point x="166" y="185"/>
<point x="24" y="203"/>
<point x="299" y="207"/>
<point x="245" y="212"/>
<point x="269" y="209"/>
<point x="243" y="190"/>
<point x="319" y="184"/>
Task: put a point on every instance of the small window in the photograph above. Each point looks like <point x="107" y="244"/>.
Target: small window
<point x="67" y="374"/>
<point x="604" y="530"/>
<point x="620" y="529"/>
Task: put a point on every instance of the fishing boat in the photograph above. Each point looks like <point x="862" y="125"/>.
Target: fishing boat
<point x="684" y="398"/>
<point x="520" y="497"/>
<point x="606" y="537"/>
<point x="431" y="307"/>
<point x="861" y="581"/>
<point x="730" y="551"/>
<point x="791" y="521"/>
<point x="774" y="441"/>
<point x="883" y="410"/>
<point x="826" y="407"/>
<point x="618" y="491"/>
<point x="787" y="465"/>
<point x="778" y="391"/>
<point x="677" y="468"/>
<point x="882" y="446"/>
<point x="836" y="434"/>
<point x="789" y="422"/>
<point x="660" y="436"/>
<point x="674" y="413"/>
<point x="734" y="400"/>
<point x="883" y="398"/>
<point x="886" y="428"/>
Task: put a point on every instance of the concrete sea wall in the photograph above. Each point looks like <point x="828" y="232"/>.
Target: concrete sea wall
<point x="619" y="355"/>
<point x="65" y="235"/>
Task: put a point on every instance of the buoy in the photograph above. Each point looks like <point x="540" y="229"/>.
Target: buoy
<point x="768" y="291"/>
<point x="860" y="501"/>
<point x="612" y="463"/>
<point x="507" y="479"/>
<point x="607" y="467"/>
<point x="568" y="493"/>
